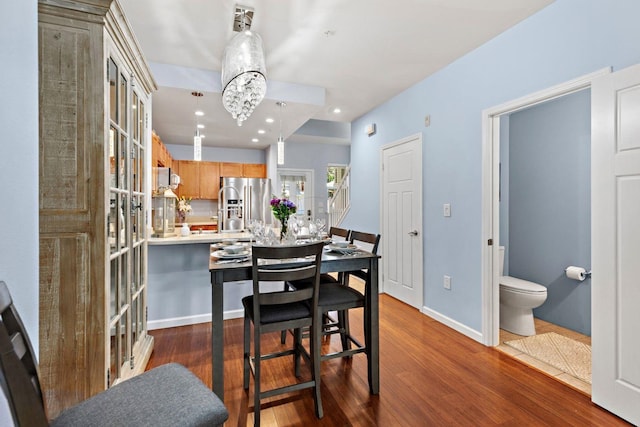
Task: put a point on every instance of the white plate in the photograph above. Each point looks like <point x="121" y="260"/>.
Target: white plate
<point x="225" y="255"/>
<point x="349" y="249"/>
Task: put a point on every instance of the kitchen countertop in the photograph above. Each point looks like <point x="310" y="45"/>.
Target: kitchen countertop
<point x="204" y="237"/>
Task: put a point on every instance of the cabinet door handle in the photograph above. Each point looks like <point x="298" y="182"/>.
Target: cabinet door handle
<point x="413" y="233"/>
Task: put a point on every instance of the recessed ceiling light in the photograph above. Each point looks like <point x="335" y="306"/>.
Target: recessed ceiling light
<point x="261" y="131"/>
<point x="199" y="113"/>
<point x="269" y="120"/>
<point x="255" y="140"/>
<point x="200" y="126"/>
<point x="337" y="110"/>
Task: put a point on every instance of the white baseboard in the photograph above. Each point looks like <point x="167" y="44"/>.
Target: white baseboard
<point x="190" y="320"/>
<point x="457" y="326"/>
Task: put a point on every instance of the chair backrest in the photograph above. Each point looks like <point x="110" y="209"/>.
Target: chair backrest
<point x="286" y="263"/>
<point x="18" y="366"/>
<point x="342" y="232"/>
<point x="367" y="241"/>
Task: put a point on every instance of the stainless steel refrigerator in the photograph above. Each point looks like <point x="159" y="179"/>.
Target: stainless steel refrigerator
<point x="242" y="199"/>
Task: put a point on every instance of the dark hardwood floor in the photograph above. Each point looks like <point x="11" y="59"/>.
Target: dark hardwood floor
<point x="430" y="375"/>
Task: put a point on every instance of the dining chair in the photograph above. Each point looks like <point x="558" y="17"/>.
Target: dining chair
<point x="340" y="297"/>
<point x="324" y="278"/>
<point x="277" y="311"/>
<point x="168" y="395"/>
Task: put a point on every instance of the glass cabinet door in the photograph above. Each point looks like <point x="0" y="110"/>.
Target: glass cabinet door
<point x="126" y="220"/>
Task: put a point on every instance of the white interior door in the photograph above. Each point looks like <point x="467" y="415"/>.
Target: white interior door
<point x="402" y="220"/>
<point x="616" y="243"/>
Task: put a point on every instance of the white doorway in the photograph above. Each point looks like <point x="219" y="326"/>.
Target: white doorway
<point x="297" y="186"/>
<point x="614" y="227"/>
<point x="491" y="192"/>
<point x="402" y="241"/>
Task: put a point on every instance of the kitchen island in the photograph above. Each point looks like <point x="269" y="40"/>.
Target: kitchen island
<point x="179" y="282"/>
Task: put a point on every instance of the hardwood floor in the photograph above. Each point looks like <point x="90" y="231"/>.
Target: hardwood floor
<point x="430" y="375"/>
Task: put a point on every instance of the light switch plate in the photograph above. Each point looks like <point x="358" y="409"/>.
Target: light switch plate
<point x="446" y="209"/>
<point x="447" y="282"/>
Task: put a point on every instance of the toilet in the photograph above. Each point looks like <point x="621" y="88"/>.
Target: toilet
<point x="518" y="298"/>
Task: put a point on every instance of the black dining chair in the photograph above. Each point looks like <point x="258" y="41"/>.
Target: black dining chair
<point x="340" y="297"/>
<point x="324" y="278"/>
<point x="168" y="395"/>
<point x="280" y="311"/>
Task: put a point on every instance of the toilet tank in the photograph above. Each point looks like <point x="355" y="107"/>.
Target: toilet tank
<point x="501" y="249"/>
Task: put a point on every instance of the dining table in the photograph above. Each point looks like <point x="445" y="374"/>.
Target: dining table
<point x="224" y="273"/>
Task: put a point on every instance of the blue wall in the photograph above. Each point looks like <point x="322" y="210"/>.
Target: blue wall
<point x="549" y="204"/>
<point x="317" y="157"/>
<point x="567" y="39"/>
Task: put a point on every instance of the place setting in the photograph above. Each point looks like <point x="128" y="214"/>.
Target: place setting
<point x="230" y="251"/>
<point x="342" y="247"/>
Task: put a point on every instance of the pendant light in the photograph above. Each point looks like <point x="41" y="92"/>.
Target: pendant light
<point x="197" y="139"/>
<point x="280" y="142"/>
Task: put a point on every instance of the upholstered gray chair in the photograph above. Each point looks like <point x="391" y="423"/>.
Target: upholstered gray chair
<point x="169" y="395"/>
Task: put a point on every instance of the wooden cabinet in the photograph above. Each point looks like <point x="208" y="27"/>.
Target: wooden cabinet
<point x="189" y="179"/>
<point x="209" y="180"/>
<point x="95" y="86"/>
<point x="254" y="170"/>
<point x="230" y="169"/>
<point x="160" y="156"/>
<point x="201" y="180"/>
<point x="246" y="170"/>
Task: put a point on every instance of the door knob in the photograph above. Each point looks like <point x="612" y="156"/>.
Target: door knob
<point x="413" y="233"/>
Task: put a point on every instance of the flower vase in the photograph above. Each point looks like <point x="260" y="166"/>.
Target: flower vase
<point x="185" y="231"/>
<point x="283" y="228"/>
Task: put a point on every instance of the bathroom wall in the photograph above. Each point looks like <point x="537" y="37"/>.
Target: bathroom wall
<point x="549" y="204"/>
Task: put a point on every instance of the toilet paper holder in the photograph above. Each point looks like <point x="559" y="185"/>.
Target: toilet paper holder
<point x="571" y="271"/>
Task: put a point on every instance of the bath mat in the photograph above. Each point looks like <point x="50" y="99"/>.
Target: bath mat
<point x="564" y="353"/>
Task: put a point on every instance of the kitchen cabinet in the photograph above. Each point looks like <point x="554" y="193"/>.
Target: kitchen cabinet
<point x="209" y="180"/>
<point x="231" y="169"/>
<point x="199" y="180"/>
<point x="189" y="179"/>
<point x="243" y="170"/>
<point x="160" y="156"/>
<point x="95" y="104"/>
<point x="254" y="170"/>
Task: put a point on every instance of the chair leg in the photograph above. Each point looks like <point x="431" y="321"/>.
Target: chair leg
<point x="256" y="377"/>
<point x="247" y="352"/>
<point x="314" y="344"/>
<point x="297" y="344"/>
<point x="343" y="321"/>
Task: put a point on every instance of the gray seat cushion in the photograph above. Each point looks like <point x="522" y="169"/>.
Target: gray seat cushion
<point x="169" y="395"/>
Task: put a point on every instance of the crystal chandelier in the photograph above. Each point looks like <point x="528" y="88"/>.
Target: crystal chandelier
<point x="244" y="80"/>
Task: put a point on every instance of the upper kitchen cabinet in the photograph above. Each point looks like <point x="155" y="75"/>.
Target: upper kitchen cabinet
<point x="160" y="156"/>
<point x="199" y="180"/>
<point x="95" y="114"/>
<point x="189" y="179"/>
<point x="209" y="180"/>
<point x="243" y="170"/>
<point x="254" y="170"/>
<point x="230" y="169"/>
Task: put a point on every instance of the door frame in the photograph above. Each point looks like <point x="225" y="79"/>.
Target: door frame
<point x="309" y="174"/>
<point x="490" y="189"/>
<point x="420" y="226"/>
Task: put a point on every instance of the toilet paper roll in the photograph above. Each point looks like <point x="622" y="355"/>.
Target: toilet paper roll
<point x="576" y="273"/>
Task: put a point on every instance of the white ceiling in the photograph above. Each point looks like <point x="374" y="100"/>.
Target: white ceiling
<point x="320" y="54"/>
